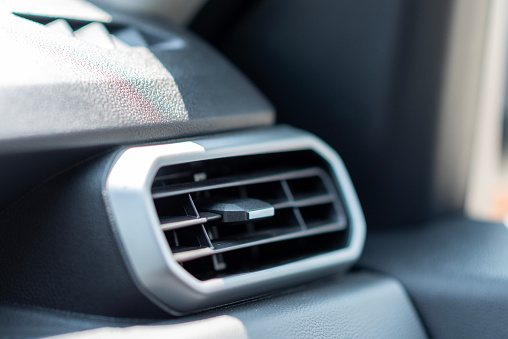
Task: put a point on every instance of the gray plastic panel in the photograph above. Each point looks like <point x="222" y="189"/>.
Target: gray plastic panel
<point x="59" y="91"/>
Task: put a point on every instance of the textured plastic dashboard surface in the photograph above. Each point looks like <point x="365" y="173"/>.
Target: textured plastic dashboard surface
<point x="455" y="270"/>
<point x="359" y="305"/>
<point x="61" y="91"/>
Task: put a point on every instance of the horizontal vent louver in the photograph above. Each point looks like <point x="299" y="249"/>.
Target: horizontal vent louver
<point x="215" y="220"/>
<point x="308" y="218"/>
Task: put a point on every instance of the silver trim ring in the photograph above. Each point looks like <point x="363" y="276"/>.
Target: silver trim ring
<point x="158" y="275"/>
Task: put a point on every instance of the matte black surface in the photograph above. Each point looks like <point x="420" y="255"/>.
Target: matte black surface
<point x="363" y="75"/>
<point x="359" y="305"/>
<point x="22" y="171"/>
<point x="455" y="270"/>
<point x="22" y="321"/>
<point x="58" y="250"/>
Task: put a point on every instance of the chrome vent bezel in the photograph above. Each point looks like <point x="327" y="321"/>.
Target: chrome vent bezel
<point x="159" y="276"/>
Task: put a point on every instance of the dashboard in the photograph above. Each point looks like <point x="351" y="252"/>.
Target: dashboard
<point x="243" y="169"/>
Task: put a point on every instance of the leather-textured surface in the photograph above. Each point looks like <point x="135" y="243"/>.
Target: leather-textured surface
<point x="358" y="305"/>
<point x="455" y="270"/>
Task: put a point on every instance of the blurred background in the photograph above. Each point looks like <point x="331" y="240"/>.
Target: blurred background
<point x="416" y="90"/>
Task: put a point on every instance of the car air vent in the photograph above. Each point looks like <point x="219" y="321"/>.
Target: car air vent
<point x="291" y="210"/>
<point x="216" y="220"/>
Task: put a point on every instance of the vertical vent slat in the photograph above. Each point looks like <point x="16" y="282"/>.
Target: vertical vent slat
<point x="306" y="202"/>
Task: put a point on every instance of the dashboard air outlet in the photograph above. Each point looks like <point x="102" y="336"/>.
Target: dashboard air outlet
<point x="211" y="221"/>
<point x="296" y="211"/>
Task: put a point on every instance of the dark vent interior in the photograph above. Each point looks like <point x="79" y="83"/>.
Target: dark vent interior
<point x="305" y="213"/>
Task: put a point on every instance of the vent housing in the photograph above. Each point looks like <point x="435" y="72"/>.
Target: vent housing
<point x="215" y="220"/>
<point x="309" y="217"/>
